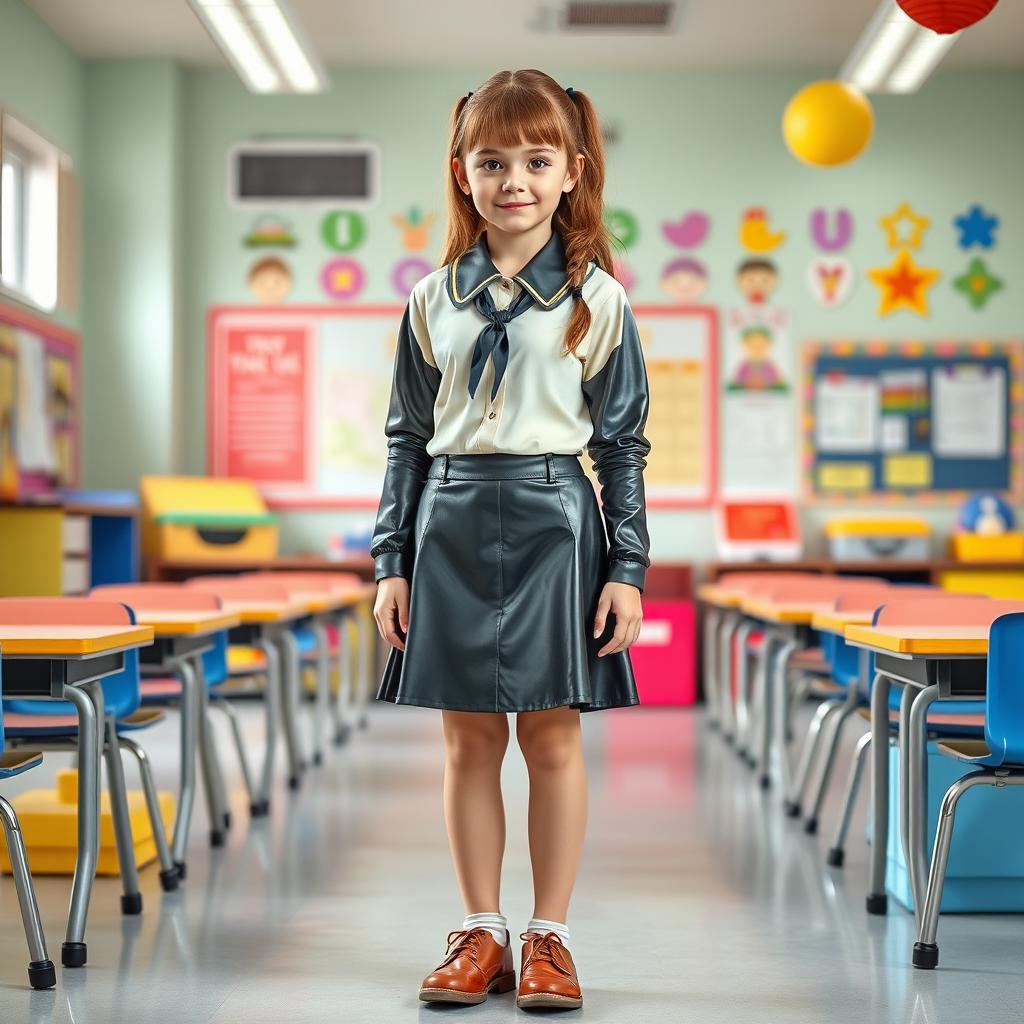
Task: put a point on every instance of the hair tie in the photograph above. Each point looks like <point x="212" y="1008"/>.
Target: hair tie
<point x="577" y="293"/>
<point x="468" y="94"/>
<point x="572" y="95"/>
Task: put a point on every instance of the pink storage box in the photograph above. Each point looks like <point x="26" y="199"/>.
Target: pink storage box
<point x="664" y="654"/>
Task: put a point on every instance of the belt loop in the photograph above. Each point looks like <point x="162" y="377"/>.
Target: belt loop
<point x="444" y="476"/>
<point x="548" y="460"/>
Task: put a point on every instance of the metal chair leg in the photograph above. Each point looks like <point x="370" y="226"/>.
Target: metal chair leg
<point x="168" y="870"/>
<point x="319" y="706"/>
<point x="88" y="702"/>
<point x="271" y="708"/>
<point x="877" y="900"/>
<point x="807" y="755"/>
<point x="367" y="633"/>
<point x="835" y="731"/>
<point x="837" y="854"/>
<point x="338" y="697"/>
<point x="926" y="951"/>
<point x="238" y="735"/>
<point x="189" y="744"/>
<point x="131" y="898"/>
<point x="41" y="972"/>
<point x="290" y="672"/>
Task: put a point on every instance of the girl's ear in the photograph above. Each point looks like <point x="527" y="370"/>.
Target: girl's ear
<point x="460" y="176"/>
<point x="572" y="178"/>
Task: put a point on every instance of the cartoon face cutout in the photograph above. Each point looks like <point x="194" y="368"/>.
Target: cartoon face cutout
<point x="757" y="280"/>
<point x="270" y="279"/>
<point x="685" y="280"/>
<point x="757" y="343"/>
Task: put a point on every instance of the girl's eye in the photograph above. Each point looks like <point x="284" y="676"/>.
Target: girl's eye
<point x="535" y="160"/>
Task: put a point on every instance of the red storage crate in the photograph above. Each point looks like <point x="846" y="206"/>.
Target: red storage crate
<point x="664" y="655"/>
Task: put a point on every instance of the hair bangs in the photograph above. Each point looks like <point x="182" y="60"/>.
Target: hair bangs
<point x="515" y="117"/>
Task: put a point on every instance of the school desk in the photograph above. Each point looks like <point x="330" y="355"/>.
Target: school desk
<point x="66" y="663"/>
<point x="327" y="598"/>
<point x="931" y="662"/>
<point x="787" y="624"/>
<point x="181" y="638"/>
<point x="265" y="622"/>
<point x="722" y="623"/>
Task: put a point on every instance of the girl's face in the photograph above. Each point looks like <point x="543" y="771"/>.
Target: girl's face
<point x="517" y="189"/>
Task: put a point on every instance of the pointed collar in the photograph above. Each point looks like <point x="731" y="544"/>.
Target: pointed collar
<point x="544" y="277"/>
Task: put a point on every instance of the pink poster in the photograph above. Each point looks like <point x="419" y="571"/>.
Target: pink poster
<point x="262" y="380"/>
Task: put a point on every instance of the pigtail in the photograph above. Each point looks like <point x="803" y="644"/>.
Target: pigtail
<point x="580" y="216"/>
<point x="464" y="222"/>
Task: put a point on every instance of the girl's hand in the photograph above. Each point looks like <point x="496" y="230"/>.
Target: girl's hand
<point x="392" y="606"/>
<point x="624" y="600"/>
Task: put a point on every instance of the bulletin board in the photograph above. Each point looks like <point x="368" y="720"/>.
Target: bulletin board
<point x="297" y="400"/>
<point x="40" y="405"/>
<point x="894" y="420"/>
<point x="680" y="346"/>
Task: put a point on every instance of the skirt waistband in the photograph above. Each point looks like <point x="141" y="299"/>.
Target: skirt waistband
<point x="504" y="466"/>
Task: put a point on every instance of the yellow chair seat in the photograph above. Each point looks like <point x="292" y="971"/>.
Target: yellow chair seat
<point x="965" y="750"/>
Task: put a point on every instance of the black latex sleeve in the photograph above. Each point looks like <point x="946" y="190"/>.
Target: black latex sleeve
<point x="410" y="425"/>
<point x="617" y="396"/>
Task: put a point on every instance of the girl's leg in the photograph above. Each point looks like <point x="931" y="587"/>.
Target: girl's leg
<point x="553" y="748"/>
<point x="475" y="744"/>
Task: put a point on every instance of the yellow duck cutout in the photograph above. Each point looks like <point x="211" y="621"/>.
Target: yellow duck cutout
<point x="756" y="234"/>
<point x="414" y="227"/>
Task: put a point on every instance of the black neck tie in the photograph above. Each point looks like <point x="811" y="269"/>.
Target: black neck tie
<point x="493" y="339"/>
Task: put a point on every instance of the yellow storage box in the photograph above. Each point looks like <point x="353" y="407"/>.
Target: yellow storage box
<point x="210" y="520"/>
<point x="980" y="547"/>
<point x="49" y="824"/>
<point x="855" y="540"/>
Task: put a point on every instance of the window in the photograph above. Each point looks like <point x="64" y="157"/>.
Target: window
<point x="28" y="214"/>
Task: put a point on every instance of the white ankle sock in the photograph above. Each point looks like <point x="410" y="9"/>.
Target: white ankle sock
<point x="540" y="926"/>
<point x="496" y="924"/>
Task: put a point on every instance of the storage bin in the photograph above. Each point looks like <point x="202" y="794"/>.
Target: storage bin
<point x="206" y="520"/>
<point x="854" y="540"/>
<point x="979" y="547"/>
<point x="985" y="873"/>
<point x="663" y="655"/>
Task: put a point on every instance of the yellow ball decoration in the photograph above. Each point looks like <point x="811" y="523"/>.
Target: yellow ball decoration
<point x="827" y="123"/>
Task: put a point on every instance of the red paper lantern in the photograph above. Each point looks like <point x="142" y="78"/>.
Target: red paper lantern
<point x="946" y="16"/>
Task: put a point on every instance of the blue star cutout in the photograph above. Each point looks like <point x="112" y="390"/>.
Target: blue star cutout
<point x="976" y="228"/>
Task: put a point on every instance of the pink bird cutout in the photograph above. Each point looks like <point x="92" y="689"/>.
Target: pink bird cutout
<point x="689" y="232"/>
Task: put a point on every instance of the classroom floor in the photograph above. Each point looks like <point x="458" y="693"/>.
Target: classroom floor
<point x="696" y="901"/>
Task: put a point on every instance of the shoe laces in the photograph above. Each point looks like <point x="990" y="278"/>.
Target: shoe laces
<point x="467" y="943"/>
<point x="546" y="947"/>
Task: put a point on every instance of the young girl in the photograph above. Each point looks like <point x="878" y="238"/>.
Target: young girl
<point x="498" y="589"/>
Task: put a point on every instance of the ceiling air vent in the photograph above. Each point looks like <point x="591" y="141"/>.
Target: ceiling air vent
<point x="613" y="15"/>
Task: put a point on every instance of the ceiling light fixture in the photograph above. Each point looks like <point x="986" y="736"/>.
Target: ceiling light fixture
<point x="262" y="42"/>
<point x="894" y="53"/>
<point x="279" y="30"/>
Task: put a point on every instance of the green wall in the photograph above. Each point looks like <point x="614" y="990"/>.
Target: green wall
<point x="162" y="244"/>
<point x="132" y="274"/>
<point x="706" y="141"/>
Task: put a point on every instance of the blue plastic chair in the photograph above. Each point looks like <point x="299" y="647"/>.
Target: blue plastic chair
<point x="999" y="758"/>
<point x="41" y="973"/>
<point x="54" y="724"/>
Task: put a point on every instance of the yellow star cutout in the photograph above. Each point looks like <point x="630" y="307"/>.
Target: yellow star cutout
<point x="918" y="225"/>
<point x="904" y="285"/>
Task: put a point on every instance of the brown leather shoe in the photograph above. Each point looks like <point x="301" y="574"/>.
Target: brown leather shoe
<point x="474" y="966"/>
<point x="547" y="975"/>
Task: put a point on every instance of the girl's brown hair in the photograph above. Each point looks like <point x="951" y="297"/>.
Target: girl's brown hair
<point x="515" y="108"/>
